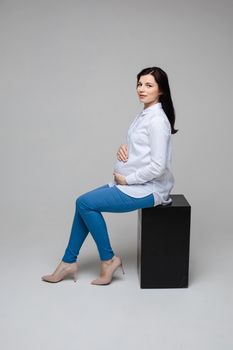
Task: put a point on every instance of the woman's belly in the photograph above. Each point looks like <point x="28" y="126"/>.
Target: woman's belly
<point x="129" y="167"/>
<point x="123" y="168"/>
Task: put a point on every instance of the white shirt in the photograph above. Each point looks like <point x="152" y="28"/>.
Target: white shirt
<point x="148" y="168"/>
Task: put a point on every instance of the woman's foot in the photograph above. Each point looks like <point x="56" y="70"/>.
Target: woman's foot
<point x="107" y="270"/>
<point x="64" y="269"/>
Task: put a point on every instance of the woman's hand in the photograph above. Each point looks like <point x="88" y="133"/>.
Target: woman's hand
<point x="122" y="153"/>
<point x="120" y="179"/>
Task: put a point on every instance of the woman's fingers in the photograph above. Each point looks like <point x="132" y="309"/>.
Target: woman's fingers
<point x="122" y="153"/>
<point x="124" y="150"/>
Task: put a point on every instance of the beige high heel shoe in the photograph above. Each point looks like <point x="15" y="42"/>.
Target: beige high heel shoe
<point x="107" y="271"/>
<point x="63" y="270"/>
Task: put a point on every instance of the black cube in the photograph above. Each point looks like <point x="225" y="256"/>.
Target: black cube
<point x="163" y="244"/>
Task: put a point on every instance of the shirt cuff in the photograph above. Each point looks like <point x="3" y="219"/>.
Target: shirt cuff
<point x="131" y="179"/>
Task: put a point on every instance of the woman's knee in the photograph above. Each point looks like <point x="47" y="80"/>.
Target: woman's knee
<point x="81" y="202"/>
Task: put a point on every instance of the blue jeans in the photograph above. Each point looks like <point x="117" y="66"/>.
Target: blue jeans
<point x="88" y="218"/>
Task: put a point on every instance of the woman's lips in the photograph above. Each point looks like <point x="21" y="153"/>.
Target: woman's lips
<point x="142" y="95"/>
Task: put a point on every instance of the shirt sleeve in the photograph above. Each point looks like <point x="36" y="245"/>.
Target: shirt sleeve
<point x="158" y="140"/>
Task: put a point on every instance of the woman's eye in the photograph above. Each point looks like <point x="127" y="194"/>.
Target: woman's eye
<point x="146" y="85"/>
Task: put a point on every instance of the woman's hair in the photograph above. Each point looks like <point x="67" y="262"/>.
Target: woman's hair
<point x="165" y="98"/>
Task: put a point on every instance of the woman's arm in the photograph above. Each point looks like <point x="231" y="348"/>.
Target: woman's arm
<point x="158" y="139"/>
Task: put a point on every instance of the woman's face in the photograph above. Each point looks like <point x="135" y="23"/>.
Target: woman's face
<point x="148" y="90"/>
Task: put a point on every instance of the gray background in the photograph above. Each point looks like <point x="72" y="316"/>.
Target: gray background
<point x="67" y="78"/>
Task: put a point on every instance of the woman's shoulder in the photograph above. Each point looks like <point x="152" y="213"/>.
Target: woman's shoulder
<point x="159" y="119"/>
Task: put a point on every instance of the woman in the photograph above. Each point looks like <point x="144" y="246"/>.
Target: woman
<point x="142" y="178"/>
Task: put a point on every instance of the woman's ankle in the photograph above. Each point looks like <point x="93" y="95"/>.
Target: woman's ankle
<point x="109" y="260"/>
<point x="67" y="263"/>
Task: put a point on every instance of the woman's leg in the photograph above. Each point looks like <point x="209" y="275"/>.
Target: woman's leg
<point x="88" y="218"/>
<point x="79" y="232"/>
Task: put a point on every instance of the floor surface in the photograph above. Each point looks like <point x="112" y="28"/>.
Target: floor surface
<point x="67" y="315"/>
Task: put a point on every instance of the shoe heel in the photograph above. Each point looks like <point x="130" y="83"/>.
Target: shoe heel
<point x="75" y="276"/>
<point x="122" y="268"/>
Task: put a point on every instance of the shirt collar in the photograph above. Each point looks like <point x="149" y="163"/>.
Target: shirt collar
<point x="154" y="107"/>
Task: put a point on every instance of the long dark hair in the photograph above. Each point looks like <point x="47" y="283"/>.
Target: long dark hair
<point x="162" y="80"/>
